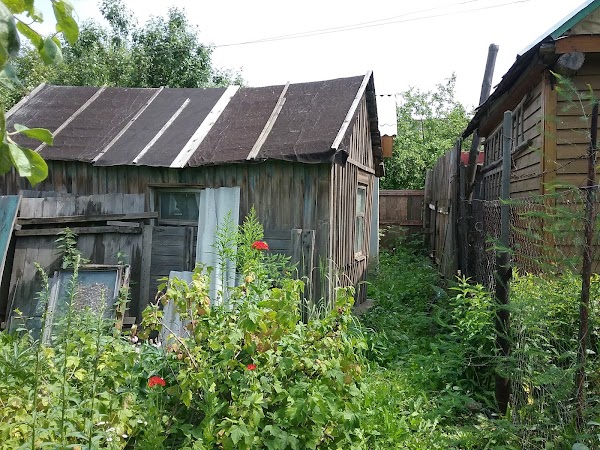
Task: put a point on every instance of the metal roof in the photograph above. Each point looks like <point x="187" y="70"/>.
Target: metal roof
<point x="305" y="122"/>
<point x="527" y="55"/>
<point x="386" y="114"/>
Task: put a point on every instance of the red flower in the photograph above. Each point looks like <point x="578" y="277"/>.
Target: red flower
<point x="155" y="381"/>
<point x="251" y="367"/>
<point x="260" y="245"/>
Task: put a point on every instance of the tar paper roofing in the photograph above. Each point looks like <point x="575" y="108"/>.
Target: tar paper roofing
<point x="305" y="122"/>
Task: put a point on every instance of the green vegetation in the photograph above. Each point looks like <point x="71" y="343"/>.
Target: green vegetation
<point x="416" y="371"/>
<point x="165" y="51"/>
<point x="19" y="18"/>
<point x="431" y="384"/>
<point x="429" y="123"/>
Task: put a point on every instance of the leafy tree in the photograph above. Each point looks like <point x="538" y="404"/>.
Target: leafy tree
<point x="19" y="18"/>
<point x="166" y="51"/>
<point x="429" y="122"/>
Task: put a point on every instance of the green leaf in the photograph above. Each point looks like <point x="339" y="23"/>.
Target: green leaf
<point x="8" y="77"/>
<point x="9" y="37"/>
<point x="63" y="12"/>
<point x="15" y="6"/>
<point x="28" y="163"/>
<point x="41" y="134"/>
<point x="50" y="52"/>
<point x="34" y="37"/>
<point x="5" y="161"/>
<point x="579" y="446"/>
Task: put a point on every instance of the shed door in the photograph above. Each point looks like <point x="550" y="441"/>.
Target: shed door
<point x="172" y="249"/>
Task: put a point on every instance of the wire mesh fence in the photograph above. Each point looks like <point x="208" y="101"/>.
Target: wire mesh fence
<point x="546" y="235"/>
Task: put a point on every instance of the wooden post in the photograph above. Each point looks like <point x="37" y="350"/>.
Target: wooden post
<point x="463" y="230"/>
<point x="486" y="88"/>
<point x="434" y="232"/>
<point x="303" y="252"/>
<point x="503" y="269"/>
<point x="456" y="218"/>
<point x="586" y="270"/>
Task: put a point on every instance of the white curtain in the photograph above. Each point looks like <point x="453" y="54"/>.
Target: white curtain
<point x="215" y="206"/>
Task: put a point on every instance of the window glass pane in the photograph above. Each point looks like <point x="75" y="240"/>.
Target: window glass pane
<point x="360" y="234"/>
<point x="361" y="197"/>
<point x="179" y="206"/>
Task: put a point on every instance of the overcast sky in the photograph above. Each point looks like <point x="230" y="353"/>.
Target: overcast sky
<point x="405" y="43"/>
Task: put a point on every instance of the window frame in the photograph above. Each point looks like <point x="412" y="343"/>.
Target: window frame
<point x="359" y="253"/>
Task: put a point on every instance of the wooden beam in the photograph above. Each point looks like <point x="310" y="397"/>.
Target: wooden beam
<point x="587" y="43"/>
<point x="162" y="131"/>
<point x="192" y="144"/>
<point x="269" y="125"/>
<point x="126" y="127"/>
<point x="73" y="116"/>
<point x="549" y="104"/>
<point x="76" y="219"/>
<point x="78" y="230"/>
<point x="528" y="80"/>
<point x="360" y="166"/>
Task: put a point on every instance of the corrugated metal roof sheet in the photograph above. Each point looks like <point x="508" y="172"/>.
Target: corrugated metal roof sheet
<point x="179" y="127"/>
<point x="386" y="114"/>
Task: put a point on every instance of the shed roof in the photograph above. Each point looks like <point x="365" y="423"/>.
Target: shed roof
<point x="305" y="122"/>
<point x="528" y="55"/>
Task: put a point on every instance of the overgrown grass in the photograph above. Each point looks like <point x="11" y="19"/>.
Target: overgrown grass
<point x="433" y="362"/>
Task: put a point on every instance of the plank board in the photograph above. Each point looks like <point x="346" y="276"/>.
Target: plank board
<point x="9" y="205"/>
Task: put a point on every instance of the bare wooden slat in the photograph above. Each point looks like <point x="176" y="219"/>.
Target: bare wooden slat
<point x="76" y="219"/>
<point x="77" y="230"/>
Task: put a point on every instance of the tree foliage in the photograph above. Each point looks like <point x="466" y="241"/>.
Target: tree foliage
<point x="18" y="18"/>
<point x="429" y="122"/>
<point x="165" y="51"/>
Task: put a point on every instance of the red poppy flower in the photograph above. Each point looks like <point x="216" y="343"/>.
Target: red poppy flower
<point x="156" y="381"/>
<point x="251" y="367"/>
<point x="260" y="245"/>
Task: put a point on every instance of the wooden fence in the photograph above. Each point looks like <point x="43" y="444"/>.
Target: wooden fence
<point x="442" y="212"/>
<point x="400" y="213"/>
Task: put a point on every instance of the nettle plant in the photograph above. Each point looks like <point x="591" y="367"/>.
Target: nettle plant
<point x="251" y="374"/>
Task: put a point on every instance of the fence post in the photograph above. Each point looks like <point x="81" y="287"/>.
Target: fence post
<point x="586" y="270"/>
<point x="456" y="218"/>
<point x="503" y="268"/>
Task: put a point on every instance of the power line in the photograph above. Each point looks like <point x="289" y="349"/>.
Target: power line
<point x="374" y="23"/>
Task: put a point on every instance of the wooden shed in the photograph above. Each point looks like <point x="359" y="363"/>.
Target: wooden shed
<point x="550" y="130"/>
<point x="131" y="169"/>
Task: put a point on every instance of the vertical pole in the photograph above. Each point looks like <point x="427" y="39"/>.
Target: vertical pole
<point x="457" y="217"/>
<point x="503" y="269"/>
<point x="586" y="270"/>
<point x="486" y="88"/>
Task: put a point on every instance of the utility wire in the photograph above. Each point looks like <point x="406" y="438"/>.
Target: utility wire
<point x="374" y="23"/>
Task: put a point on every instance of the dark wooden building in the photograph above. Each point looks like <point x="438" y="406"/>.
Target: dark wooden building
<point x="124" y="161"/>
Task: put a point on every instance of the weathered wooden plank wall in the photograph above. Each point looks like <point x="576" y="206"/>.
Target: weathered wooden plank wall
<point x="401" y="207"/>
<point x="98" y="247"/>
<point x="285" y="195"/>
<point x="439" y="211"/>
<point x="349" y="267"/>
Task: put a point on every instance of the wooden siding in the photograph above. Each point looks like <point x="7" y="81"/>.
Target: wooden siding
<point x="573" y="124"/>
<point x="285" y="195"/>
<point x="526" y="164"/>
<point x="350" y="268"/>
<point x="401" y="207"/>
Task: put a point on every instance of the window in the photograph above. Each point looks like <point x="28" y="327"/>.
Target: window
<point x="178" y="206"/>
<point x="359" y="227"/>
